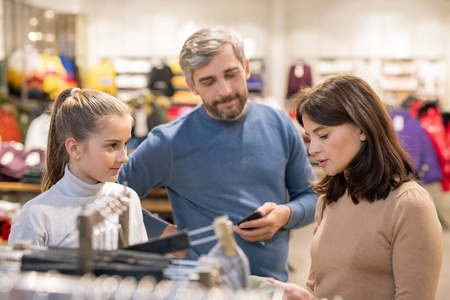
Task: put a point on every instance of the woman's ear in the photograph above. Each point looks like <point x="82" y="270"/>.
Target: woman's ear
<point x="73" y="147"/>
<point x="362" y="136"/>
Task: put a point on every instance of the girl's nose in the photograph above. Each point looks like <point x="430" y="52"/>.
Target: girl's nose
<point x="123" y="156"/>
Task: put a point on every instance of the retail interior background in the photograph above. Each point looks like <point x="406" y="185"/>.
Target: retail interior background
<point x="278" y="31"/>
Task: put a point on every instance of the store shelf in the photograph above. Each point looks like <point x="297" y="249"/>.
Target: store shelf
<point x="19" y="187"/>
<point x="156" y="200"/>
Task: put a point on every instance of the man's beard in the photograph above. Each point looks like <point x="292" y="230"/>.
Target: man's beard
<point x="226" y="114"/>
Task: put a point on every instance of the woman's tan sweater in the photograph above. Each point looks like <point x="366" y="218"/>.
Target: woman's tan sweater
<point x="388" y="249"/>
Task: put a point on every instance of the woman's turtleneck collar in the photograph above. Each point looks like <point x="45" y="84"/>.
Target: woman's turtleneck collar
<point x="73" y="186"/>
<point x="238" y="121"/>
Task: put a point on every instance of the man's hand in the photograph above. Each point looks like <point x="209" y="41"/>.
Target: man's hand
<point x="171" y="229"/>
<point x="274" y="217"/>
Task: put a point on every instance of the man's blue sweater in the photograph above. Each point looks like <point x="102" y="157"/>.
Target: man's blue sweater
<point x="212" y="168"/>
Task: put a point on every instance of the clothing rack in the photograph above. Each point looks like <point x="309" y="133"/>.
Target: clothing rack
<point x="226" y="264"/>
<point x="51" y="285"/>
<point x="88" y="218"/>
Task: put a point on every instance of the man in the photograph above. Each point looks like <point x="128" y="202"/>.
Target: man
<point x="229" y="156"/>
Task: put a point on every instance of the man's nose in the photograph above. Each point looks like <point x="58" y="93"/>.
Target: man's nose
<point x="224" y="88"/>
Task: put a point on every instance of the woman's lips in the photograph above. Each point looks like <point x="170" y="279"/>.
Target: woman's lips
<point x="322" y="162"/>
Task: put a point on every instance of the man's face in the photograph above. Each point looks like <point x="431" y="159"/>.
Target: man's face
<point x="222" y="85"/>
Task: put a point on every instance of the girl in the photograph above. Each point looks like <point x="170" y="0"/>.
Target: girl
<point x="89" y="131"/>
<point x="377" y="234"/>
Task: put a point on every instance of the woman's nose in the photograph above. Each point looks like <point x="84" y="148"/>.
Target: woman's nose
<point x="313" y="149"/>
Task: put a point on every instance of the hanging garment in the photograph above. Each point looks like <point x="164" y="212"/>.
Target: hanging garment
<point x="37" y="133"/>
<point x="71" y="71"/>
<point x="101" y="76"/>
<point x="299" y="77"/>
<point x="432" y="80"/>
<point x="417" y="143"/>
<point x="160" y="82"/>
<point x="55" y="75"/>
<point x="26" y="63"/>
<point x="236" y="269"/>
<point x="431" y="120"/>
<point x="15" y="161"/>
<point x="9" y="129"/>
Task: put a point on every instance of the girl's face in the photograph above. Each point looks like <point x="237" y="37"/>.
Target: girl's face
<point x="102" y="156"/>
<point x="333" y="146"/>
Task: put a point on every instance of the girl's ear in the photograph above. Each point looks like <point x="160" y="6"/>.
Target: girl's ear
<point x="73" y="147"/>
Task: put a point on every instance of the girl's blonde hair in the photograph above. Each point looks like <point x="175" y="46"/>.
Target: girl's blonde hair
<point x="76" y="113"/>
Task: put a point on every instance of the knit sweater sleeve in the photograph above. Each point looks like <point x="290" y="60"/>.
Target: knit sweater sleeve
<point x="416" y="246"/>
<point x="149" y="166"/>
<point x="320" y="210"/>
<point x="138" y="234"/>
<point x="302" y="200"/>
<point x="29" y="225"/>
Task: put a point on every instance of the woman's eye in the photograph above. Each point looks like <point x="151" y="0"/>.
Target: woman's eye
<point x="322" y="137"/>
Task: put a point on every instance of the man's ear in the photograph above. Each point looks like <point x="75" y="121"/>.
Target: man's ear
<point x="73" y="147"/>
<point x="192" y="87"/>
<point x="247" y="69"/>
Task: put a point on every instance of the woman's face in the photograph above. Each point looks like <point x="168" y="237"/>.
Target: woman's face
<point x="333" y="146"/>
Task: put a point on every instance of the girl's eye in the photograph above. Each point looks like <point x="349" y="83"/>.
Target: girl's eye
<point x="323" y="137"/>
<point x="113" y="145"/>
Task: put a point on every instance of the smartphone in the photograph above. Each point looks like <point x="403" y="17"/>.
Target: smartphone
<point x="254" y="215"/>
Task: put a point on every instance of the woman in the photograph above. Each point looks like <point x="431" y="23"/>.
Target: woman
<point x="377" y="234"/>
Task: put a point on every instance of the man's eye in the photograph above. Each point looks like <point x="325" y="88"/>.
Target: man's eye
<point x="207" y="83"/>
<point x="231" y="75"/>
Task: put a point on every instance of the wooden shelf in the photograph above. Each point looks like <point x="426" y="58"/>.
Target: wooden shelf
<point x="157" y="205"/>
<point x="19" y="187"/>
<point x="156" y="200"/>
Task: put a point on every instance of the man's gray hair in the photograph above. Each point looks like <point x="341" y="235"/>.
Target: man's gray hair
<point x="200" y="48"/>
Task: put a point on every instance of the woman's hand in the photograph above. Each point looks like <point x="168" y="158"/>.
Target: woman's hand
<point x="293" y="291"/>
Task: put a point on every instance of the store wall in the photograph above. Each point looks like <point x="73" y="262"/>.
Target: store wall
<point x="282" y="31"/>
<point x="2" y="45"/>
<point x="355" y="29"/>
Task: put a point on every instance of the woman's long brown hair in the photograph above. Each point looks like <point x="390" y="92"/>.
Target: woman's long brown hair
<point x="381" y="164"/>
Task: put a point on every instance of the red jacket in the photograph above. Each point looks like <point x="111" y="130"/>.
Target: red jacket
<point x="433" y="123"/>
